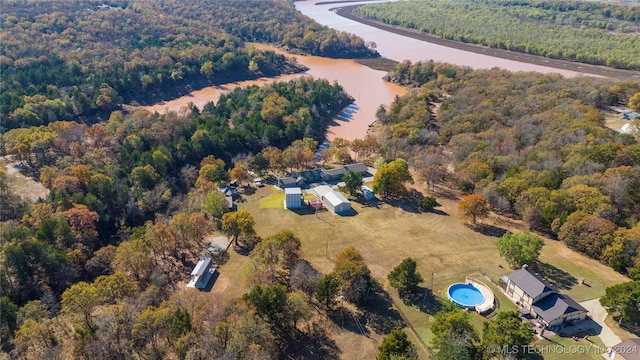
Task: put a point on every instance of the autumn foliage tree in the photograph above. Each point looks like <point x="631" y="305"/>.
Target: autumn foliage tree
<point x="238" y="223"/>
<point x="353" y="274"/>
<point x="239" y="174"/>
<point x="473" y="206"/>
<point x="634" y="102"/>
<point x="390" y="179"/>
<point x="276" y="256"/>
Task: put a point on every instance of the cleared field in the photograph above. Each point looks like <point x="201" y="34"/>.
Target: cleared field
<point x="440" y="242"/>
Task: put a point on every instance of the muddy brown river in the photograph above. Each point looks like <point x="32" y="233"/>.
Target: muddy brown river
<point x="364" y="84"/>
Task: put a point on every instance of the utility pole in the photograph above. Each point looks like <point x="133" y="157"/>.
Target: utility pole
<point x="326" y="251"/>
<point x="342" y="308"/>
<point x="432" y="274"/>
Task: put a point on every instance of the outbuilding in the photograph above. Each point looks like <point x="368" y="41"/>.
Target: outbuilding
<point x="336" y="202"/>
<point x="201" y="274"/>
<point x="293" y="198"/>
<point x="367" y="192"/>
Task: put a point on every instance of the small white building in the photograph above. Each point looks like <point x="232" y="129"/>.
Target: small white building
<point x="201" y="274"/>
<point x="336" y="202"/>
<point x="367" y="192"/>
<point x="293" y="198"/>
<point x="320" y="190"/>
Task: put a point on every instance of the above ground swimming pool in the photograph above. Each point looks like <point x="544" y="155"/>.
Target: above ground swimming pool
<point x="465" y="295"/>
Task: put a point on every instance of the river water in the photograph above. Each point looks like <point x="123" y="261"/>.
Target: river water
<point x="364" y="84"/>
<point x="399" y="48"/>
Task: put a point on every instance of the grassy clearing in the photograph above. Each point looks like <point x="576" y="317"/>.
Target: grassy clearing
<point x="274" y="200"/>
<point x="622" y="333"/>
<point x="565" y="268"/>
<point x="439" y="242"/>
<point x="613" y="120"/>
<point x="25" y="187"/>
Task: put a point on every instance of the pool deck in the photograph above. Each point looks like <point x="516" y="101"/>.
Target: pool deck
<point x="488" y="302"/>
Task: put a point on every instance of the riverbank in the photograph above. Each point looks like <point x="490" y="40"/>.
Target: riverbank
<point x="586" y="69"/>
<point x="362" y="79"/>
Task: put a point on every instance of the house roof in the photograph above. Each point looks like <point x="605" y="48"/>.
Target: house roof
<point x="201" y="267"/>
<point x="293" y="191"/>
<point x="308" y="175"/>
<point x="335" y="198"/>
<point x="321" y="190"/>
<point x="625" y="349"/>
<point x="360" y="168"/>
<point x="553" y="306"/>
<point x="288" y="180"/>
<point x="334" y="172"/>
<point x="226" y="191"/>
<point x="530" y="282"/>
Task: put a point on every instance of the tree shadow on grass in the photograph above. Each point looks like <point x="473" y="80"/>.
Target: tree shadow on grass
<point x="561" y="279"/>
<point x="380" y="314"/>
<point x="406" y="204"/>
<point x="423" y="299"/>
<point x="246" y="245"/>
<point x="377" y="315"/>
<point x="437" y="212"/>
<point x="311" y="344"/>
<point x="488" y="230"/>
<point x="349" y="320"/>
<point x="630" y="327"/>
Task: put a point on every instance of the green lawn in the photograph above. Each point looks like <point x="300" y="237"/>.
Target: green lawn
<point x="563" y="348"/>
<point x="439" y="242"/>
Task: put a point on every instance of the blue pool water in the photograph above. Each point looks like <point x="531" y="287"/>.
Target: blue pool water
<point x="465" y="295"/>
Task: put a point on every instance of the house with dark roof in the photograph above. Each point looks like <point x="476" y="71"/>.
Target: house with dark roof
<point x="286" y="182"/>
<point x="336" y="174"/>
<point x="536" y="296"/>
<point x="630" y="115"/>
<point x="527" y="287"/>
<point x="360" y="168"/>
<point x="333" y="174"/>
<point x="309" y="176"/>
<point x="626" y="350"/>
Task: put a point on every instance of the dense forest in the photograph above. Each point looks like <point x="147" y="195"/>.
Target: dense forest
<point x="127" y="197"/>
<point x="116" y="175"/>
<point x="590" y="32"/>
<point x="68" y="60"/>
<point x="97" y="269"/>
<point x="535" y="146"/>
